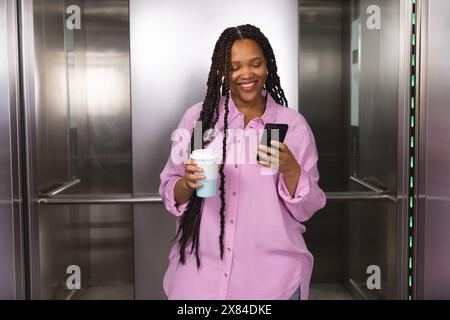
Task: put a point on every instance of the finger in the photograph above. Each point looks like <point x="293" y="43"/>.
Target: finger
<point x="279" y="145"/>
<point x="193" y="168"/>
<point x="193" y="177"/>
<point x="194" y="185"/>
<point x="264" y="163"/>
<point x="264" y="156"/>
<point x="275" y="161"/>
<point x="268" y="150"/>
<point x="190" y="161"/>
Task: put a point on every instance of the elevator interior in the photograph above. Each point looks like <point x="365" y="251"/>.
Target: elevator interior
<point x="349" y="92"/>
<point x="91" y="99"/>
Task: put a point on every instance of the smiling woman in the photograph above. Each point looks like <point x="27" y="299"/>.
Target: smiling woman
<point x="260" y="252"/>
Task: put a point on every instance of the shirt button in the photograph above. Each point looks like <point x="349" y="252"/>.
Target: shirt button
<point x="235" y="165"/>
<point x="225" y="274"/>
<point x="234" y="193"/>
<point x="231" y="221"/>
<point x="228" y="249"/>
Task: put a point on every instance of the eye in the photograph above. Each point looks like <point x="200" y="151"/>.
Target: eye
<point x="257" y="65"/>
<point x="234" y="68"/>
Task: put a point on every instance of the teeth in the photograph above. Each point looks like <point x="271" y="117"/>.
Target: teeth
<point x="249" y="85"/>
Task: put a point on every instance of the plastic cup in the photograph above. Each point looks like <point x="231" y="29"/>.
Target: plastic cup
<point x="207" y="159"/>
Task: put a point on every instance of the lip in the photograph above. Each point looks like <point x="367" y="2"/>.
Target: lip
<point x="248" y="86"/>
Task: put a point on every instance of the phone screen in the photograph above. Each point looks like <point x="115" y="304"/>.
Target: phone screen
<point x="273" y="131"/>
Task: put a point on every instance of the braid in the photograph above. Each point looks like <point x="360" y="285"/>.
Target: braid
<point x="219" y="78"/>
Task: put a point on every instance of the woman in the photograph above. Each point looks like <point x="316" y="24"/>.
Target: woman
<point x="245" y="243"/>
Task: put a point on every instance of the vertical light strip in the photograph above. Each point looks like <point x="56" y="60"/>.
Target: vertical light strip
<point x="412" y="154"/>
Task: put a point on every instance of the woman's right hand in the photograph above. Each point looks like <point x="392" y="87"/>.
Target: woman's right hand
<point x="192" y="172"/>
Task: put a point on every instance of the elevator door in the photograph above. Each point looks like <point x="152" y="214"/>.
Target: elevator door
<point x="78" y="122"/>
<point x="351" y="88"/>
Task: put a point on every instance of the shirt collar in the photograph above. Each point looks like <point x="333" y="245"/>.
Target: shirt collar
<point x="269" y="115"/>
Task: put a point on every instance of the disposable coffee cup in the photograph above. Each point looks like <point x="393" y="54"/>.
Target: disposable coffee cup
<point x="207" y="159"/>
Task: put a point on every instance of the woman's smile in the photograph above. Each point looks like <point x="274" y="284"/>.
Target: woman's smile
<point x="248" y="86"/>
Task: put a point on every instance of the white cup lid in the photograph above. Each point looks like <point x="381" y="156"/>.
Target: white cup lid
<point x="205" y="154"/>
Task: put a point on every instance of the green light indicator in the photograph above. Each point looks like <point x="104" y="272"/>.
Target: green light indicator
<point x="412" y="145"/>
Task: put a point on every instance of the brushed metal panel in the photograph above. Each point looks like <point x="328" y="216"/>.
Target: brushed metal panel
<point x="77" y="106"/>
<point x="433" y="216"/>
<point x="12" y="281"/>
<point x="373" y="228"/>
<point x="100" y="137"/>
<point x="323" y="42"/>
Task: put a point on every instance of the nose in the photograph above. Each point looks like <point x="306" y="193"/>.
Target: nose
<point x="246" y="73"/>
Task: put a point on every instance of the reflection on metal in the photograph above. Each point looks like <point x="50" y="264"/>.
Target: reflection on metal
<point x="61" y="188"/>
<point x="355" y="288"/>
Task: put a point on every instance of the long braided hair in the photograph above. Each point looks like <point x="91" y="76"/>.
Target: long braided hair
<point x="219" y="78"/>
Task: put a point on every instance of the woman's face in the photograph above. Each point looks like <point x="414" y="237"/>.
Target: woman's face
<point x="248" y="73"/>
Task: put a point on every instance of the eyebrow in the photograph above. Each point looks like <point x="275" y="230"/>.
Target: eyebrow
<point x="252" y="59"/>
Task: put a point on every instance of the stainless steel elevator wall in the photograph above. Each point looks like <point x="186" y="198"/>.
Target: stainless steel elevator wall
<point x="100" y="135"/>
<point x="433" y="216"/>
<point x="53" y="238"/>
<point x="323" y="87"/>
<point x="349" y="92"/>
<point x="373" y="230"/>
<point x="12" y="278"/>
<point x="79" y="125"/>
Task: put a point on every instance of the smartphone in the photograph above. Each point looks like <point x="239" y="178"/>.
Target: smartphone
<point x="273" y="131"/>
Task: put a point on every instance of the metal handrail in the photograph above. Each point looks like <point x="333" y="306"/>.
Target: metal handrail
<point x="54" y="198"/>
<point x="358" y="195"/>
<point x="100" y="199"/>
<point x="130" y="199"/>
<point x="384" y="194"/>
<point x="366" y="184"/>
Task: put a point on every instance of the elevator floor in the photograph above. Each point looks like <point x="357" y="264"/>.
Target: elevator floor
<point x="318" y="291"/>
<point x="329" y="291"/>
<point x="125" y="292"/>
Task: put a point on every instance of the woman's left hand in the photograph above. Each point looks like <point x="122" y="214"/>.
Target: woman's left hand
<point x="278" y="156"/>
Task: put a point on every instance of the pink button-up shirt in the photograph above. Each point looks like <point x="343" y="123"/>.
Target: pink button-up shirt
<point x="265" y="255"/>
